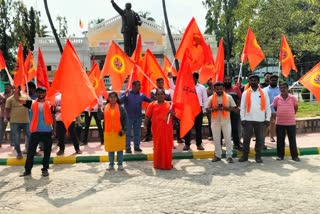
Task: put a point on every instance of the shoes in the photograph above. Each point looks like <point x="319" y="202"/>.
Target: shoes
<point x="259" y="160"/>
<point x="253" y="139"/>
<point x="19" y="157"/>
<point x="296" y="159"/>
<point x="237" y="147"/>
<point x="0" y="145"/>
<point x="243" y="159"/>
<point x="83" y="144"/>
<point x="45" y="173"/>
<point x="216" y="159"/>
<point x="120" y="167"/>
<point x="180" y="141"/>
<point x="138" y="150"/>
<point x="128" y="151"/>
<point x="229" y="160"/>
<point x="79" y="152"/>
<point x="146" y="139"/>
<point x="110" y="168"/>
<point x="210" y="138"/>
<point x="186" y="148"/>
<point x="272" y="139"/>
<point x="279" y="158"/>
<point x="200" y="147"/>
<point x="25" y="174"/>
<point x="24" y="152"/>
<point x="60" y="152"/>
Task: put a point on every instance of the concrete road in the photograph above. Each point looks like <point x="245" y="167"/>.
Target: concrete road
<point x="192" y="186"/>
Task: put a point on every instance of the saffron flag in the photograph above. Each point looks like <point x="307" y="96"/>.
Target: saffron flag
<point x="286" y="57"/>
<point x="153" y="71"/>
<point x="19" y="72"/>
<point x="97" y="82"/>
<point x="311" y="81"/>
<point x="2" y="62"/>
<point x="42" y="75"/>
<point x="208" y="71"/>
<point x="168" y="66"/>
<point x="193" y="40"/>
<point x="29" y="67"/>
<point x="74" y="85"/>
<point x="251" y="51"/>
<point x="185" y="97"/>
<point x="220" y="63"/>
<point x="118" y="65"/>
<point x="137" y="53"/>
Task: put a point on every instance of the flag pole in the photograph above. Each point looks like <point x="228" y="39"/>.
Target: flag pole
<point x="279" y="72"/>
<point x="9" y="76"/>
<point x="240" y="72"/>
<point x="152" y="83"/>
<point x="130" y="79"/>
<point x="172" y="64"/>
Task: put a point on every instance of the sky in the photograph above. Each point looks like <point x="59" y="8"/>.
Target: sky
<point x="179" y="12"/>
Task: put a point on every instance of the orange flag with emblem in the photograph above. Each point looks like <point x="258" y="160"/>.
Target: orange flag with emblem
<point x="168" y="66"/>
<point x="117" y="65"/>
<point x="251" y="51"/>
<point x="286" y="57"/>
<point x="153" y="71"/>
<point x="193" y="40"/>
<point x="73" y="83"/>
<point x="2" y="62"/>
<point x="311" y="80"/>
<point x="42" y="75"/>
<point x="185" y="97"/>
<point x="30" y="67"/>
<point x="208" y="71"/>
<point x="20" y="75"/>
<point x="97" y="82"/>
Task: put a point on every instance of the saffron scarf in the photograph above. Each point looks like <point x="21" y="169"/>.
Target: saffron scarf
<point x="215" y="105"/>
<point x="112" y="122"/>
<point x="248" y="100"/>
<point x="35" y="115"/>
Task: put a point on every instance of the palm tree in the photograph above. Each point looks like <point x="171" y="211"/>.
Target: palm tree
<point x="169" y="32"/>
<point x="52" y="26"/>
<point x="146" y="15"/>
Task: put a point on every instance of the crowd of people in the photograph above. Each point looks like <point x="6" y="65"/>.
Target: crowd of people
<point x="234" y="111"/>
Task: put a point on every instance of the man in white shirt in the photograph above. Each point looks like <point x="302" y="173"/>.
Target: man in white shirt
<point x="255" y="115"/>
<point x="203" y="97"/>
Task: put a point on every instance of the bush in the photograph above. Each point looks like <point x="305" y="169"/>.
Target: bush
<point x="305" y="94"/>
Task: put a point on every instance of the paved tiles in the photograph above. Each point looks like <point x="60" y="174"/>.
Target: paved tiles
<point x="192" y="186"/>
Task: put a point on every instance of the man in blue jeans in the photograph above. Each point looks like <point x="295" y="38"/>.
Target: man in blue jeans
<point x="18" y="116"/>
<point x="132" y="100"/>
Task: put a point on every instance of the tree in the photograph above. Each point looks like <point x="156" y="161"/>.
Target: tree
<point x="220" y="19"/>
<point x="146" y="15"/>
<point x="62" y="26"/>
<point x="96" y="21"/>
<point x="169" y="32"/>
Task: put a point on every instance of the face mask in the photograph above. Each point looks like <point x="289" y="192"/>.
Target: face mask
<point x="227" y="85"/>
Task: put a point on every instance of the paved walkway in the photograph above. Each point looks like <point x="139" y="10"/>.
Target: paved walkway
<point x="193" y="186"/>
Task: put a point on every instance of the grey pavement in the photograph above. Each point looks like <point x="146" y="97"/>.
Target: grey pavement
<point x="192" y="186"/>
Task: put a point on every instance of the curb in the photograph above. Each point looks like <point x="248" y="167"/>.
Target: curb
<point x="149" y="157"/>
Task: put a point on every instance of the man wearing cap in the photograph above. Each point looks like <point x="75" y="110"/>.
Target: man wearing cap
<point x="255" y="115"/>
<point x="129" y="29"/>
<point x="272" y="90"/>
<point x="41" y="130"/>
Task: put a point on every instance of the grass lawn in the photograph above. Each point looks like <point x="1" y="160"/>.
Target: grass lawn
<point x="308" y="109"/>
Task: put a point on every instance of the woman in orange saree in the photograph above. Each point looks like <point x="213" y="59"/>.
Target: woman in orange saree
<point x="159" y="112"/>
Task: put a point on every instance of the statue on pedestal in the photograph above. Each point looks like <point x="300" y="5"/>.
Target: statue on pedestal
<point x="129" y="29"/>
